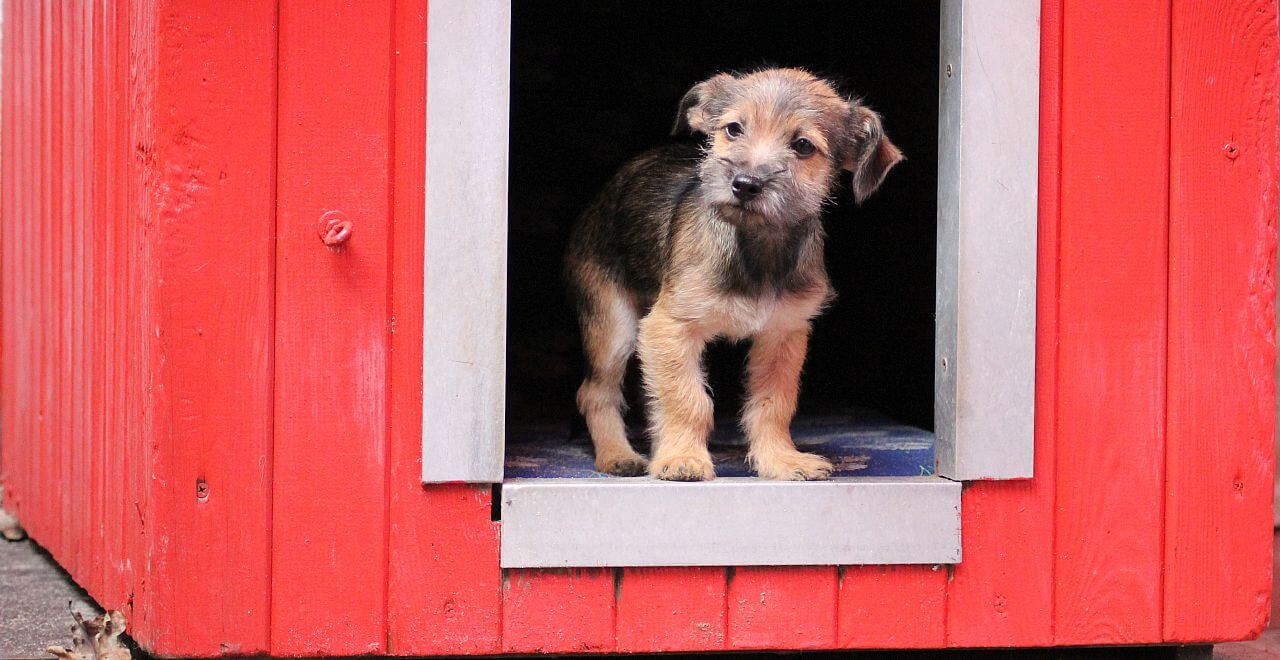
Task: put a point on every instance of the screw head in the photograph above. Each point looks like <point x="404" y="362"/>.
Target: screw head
<point x="335" y="228"/>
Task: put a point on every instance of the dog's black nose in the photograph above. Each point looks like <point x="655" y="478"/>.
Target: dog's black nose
<point x="745" y="187"/>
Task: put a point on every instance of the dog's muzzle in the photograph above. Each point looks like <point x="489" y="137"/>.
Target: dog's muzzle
<point x="746" y="187"/>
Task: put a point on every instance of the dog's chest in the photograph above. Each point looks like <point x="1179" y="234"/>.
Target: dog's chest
<point x="741" y="317"/>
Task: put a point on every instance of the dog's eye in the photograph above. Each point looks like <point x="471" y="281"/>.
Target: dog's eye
<point x="733" y="129"/>
<point x="803" y="146"/>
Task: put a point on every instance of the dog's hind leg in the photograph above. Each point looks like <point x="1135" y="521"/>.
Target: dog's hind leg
<point x="608" y="320"/>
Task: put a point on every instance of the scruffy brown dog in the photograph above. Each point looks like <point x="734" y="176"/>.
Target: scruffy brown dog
<point x="686" y="245"/>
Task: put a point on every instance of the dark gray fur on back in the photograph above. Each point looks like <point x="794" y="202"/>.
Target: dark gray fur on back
<point x="630" y="227"/>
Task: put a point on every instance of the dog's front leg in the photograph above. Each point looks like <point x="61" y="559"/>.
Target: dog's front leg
<point x="773" y="382"/>
<point x="680" y="410"/>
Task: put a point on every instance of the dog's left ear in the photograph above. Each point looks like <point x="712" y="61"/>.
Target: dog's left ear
<point x="701" y="104"/>
<point x="867" y="152"/>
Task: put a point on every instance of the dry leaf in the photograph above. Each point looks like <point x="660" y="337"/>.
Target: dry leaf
<point x="95" y="639"/>
<point x="10" y="530"/>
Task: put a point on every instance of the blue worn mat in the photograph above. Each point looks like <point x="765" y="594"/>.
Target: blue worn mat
<point x="859" y="444"/>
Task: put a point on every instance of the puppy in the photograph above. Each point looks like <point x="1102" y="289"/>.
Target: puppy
<point x="688" y="244"/>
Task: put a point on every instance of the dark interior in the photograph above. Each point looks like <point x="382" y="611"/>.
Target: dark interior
<point x="596" y="81"/>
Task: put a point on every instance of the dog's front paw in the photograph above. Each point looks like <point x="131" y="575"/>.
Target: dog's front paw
<point x="794" y="466"/>
<point x="682" y="468"/>
<point x="622" y="465"/>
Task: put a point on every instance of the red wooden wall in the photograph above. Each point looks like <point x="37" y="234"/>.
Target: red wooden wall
<point x="212" y="420"/>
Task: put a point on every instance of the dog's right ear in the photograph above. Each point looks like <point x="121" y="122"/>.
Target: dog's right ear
<point x="701" y="104"/>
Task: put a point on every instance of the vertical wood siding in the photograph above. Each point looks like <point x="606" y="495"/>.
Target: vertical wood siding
<point x="137" y="201"/>
<point x="1002" y="592"/>
<point x="444" y="587"/>
<point x="1222" y="249"/>
<point x="1112" y="252"/>
<point x="114" y="413"/>
<point x="214" y="421"/>
<point x="671" y="609"/>
<point x="212" y="196"/>
<point x="787" y="607"/>
<point x="329" y="544"/>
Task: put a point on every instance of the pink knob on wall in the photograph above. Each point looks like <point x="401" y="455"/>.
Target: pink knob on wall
<point x="335" y="228"/>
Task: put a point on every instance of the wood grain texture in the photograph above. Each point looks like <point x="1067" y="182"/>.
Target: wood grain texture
<point x="100" y="170"/>
<point x="44" y="323"/>
<point x="13" y="458"/>
<point x="12" y="454"/>
<point x="145" y="462"/>
<point x="213" y="206"/>
<point x="1001" y="594"/>
<point x="892" y="607"/>
<point x="73" y="253"/>
<point x="119" y="389"/>
<point x="782" y="608"/>
<point x="1109" y="443"/>
<point x="444" y="587"/>
<point x="558" y="611"/>
<point x="671" y="609"/>
<point x="330" y="477"/>
<point x="123" y="302"/>
<point x="1221" y="400"/>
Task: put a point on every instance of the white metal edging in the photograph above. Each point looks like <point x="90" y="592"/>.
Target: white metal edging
<point x="464" y="296"/>
<point x="729" y="522"/>
<point x="984" y="362"/>
<point x="984" y="357"/>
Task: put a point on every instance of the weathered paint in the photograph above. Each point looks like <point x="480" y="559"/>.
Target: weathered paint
<point x="114" y="404"/>
<point x="1222" y="247"/>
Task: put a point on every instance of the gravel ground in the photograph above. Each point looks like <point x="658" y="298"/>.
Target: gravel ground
<point x="34" y="593"/>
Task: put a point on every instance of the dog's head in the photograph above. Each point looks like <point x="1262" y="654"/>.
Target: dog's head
<point x="777" y="138"/>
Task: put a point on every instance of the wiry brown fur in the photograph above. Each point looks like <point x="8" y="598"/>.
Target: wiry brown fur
<point x="667" y="258"/>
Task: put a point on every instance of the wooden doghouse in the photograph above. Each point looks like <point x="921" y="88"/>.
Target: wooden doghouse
<point x="282" y="374"/>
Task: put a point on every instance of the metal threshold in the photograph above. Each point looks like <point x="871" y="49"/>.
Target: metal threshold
<point x="731" y="521"/>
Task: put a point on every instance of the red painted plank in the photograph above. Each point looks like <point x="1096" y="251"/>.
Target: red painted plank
<point x="145" y="461"/>
<point x="330" y="464"/>
<point x="1111" y="322"/>
<point x="558" y="611"/>
<point x="14" y="464"/>
<point x="81" y="304"/>
<point x="1002" y="593"/>
<point x="782" y="608"/>
<point x="1222" y="247"/>
<point x="8" y="234"/>
<point x="671" y="609"/>
<point x="22" y="349"/>
<point x="107" y="511"/>
<point x="95" y="238"/>
<point x="50" y="199"/>
<point x="49" y="518"/>
<point x="892" y="607"/>
<point x="46" y="416"/>
<point x="61" y="475"/>
<point x="112" y="148"/>
<point x="444" y="587"/>
<point x="213" y="252"/>
<point x="75" y="222"/>
<point x="37" y="291"/>
<point x="78" y="369"/>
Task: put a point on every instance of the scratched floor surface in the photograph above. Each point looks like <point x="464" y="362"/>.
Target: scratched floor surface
<point x="860" y="444"/>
